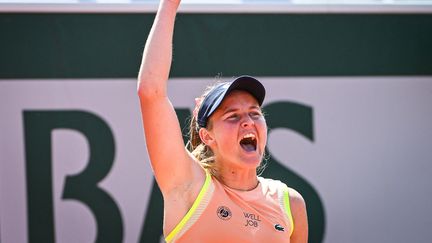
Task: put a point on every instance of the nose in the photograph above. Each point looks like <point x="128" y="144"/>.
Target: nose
<point x="247" y="122"/>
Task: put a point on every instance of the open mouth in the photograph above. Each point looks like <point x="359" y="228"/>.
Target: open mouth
<point x="248" y="142"/>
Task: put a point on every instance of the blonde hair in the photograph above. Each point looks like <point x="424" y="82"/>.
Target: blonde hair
<point x="199" y="149"/>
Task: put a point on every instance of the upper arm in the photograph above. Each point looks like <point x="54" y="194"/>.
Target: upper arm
<point x="299" y="214"/>
<point x="171" y="162"/>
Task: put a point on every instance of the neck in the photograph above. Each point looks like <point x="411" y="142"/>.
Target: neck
<point x="242" y="180"/>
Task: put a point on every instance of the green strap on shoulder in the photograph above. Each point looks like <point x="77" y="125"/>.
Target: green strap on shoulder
<point x="288" y="209"/>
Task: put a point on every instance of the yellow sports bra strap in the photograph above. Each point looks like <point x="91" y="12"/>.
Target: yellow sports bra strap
<point x="191" y="211"/>
<point x="288" y="208"/>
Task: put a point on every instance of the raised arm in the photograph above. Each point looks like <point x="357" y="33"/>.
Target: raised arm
<point x="156" y="61"/>
<point x="172" y="165"/>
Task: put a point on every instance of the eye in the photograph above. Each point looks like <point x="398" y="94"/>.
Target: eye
<point x="255" y="114"/>
<point x="232" y="117"/>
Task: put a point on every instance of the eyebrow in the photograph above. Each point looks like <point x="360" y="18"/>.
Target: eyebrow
<point x="228" y="110"/>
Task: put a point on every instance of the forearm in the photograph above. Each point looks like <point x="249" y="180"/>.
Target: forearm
<point x="157" y="55"/>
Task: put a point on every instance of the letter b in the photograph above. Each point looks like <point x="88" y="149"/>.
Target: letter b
<point x="83" y="187"/>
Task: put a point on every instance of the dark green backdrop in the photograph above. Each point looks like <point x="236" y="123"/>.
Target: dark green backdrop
<point x="110" y="45"/>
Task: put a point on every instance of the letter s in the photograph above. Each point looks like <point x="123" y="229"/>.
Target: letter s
<point x="299" y="118"/>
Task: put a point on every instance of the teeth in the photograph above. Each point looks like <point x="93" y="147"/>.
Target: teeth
<point x="249" y="135"/>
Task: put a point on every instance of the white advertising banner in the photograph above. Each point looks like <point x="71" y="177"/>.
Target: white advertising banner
<point x="370" y="158"/>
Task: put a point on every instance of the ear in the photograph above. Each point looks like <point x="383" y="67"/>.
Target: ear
<point x="206" y="136"/>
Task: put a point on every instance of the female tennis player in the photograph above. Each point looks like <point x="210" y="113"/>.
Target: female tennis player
<point x="211" y="189"/>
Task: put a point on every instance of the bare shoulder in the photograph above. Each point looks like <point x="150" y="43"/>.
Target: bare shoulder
<point x="296" y="199"/>
<point x="299" y="214"/>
